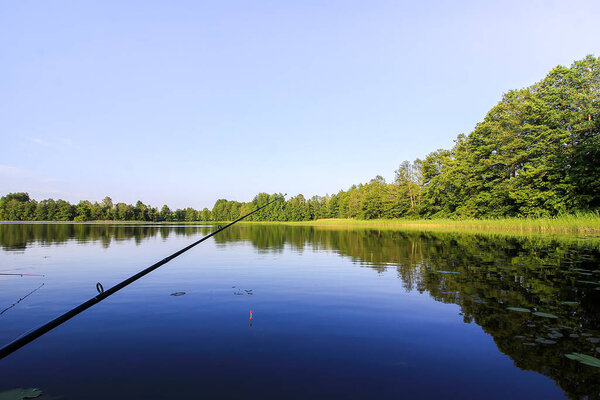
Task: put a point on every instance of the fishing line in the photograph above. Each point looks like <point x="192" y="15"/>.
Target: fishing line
<point x="21" y="299"/>
<point x="34" y="334"/>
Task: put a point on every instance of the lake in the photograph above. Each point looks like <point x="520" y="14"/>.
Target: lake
<point x="336" y="313"/>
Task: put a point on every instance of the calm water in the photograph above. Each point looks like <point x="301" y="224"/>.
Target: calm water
<point x="337" y="314"/>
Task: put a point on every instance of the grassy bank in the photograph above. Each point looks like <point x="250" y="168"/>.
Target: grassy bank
<point x="580" y="224"/>
<point x="577" y="224"/>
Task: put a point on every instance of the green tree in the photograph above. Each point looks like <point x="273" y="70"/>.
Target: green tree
<point x="65" y="211"/>
<point x="83" y="211"/>
<point x="41" y="212"/>
<point x="165" y="214"/>
<point x="191" y="214"/>
<point x="107" y="208"/>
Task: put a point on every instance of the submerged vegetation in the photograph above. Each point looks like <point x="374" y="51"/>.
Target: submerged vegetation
<point x="535" y="154"/>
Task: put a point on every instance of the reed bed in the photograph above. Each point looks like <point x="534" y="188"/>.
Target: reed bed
<point x="588" y="223"/>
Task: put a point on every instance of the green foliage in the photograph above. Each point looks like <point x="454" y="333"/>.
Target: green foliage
<point x="584" y="359"/>
<point x="20" y="394"/>
<point x="519" y="309"/>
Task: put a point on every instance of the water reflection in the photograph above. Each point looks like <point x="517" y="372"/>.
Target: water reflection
<point x="539" y="298"/>
<point x="19" y="236"/>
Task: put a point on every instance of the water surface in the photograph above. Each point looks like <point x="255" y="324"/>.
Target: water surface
<point x="348" y="314"/>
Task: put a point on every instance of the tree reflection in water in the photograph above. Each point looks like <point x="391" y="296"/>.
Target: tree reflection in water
<point x="483" y="274"/>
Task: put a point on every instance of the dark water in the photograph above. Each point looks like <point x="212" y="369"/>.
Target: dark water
<point x="337" y="314"/>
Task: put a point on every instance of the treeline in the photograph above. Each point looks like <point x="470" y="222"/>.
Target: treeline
<point x="20" y="207"/>
<point x="536" y="153"/>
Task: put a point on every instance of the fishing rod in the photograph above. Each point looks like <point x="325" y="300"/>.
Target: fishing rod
<point x="34" y="334"/>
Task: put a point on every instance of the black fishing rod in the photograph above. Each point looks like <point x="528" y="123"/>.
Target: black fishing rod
<point x="31" y="336"/>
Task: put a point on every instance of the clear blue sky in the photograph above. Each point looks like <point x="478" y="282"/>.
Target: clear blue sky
<point x="185" y="102"/>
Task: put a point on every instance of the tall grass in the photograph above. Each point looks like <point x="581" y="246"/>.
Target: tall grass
<point x="582" y="223"/>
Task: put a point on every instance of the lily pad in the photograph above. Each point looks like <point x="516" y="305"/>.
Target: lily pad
<point x="593" y="340"/>
<point x="20" y="394"/>
<point x="555" y="335"/>
<point x="528" y="344"/>
<point x="447" y="272"/>
<point x="543" y="314"/>
<point x="574" y="335"/>
<point x="519" y="309"/>
<point x="545" y="341"/>
<point x="584" y="359"/>
<point x="569" y="303"/>
<point x="178" y="294"/>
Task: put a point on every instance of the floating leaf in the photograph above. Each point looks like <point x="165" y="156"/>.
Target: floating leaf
<point x="447" y="272"/>
<point x="569" y="303"/>
<point x="518" y="309"/>
<point x="545" y="341"/>
<point x="178" y="294"/>
<point x="20" y="394"/>
<point x="593" y="340"/>
<point x="555" y="335"/>
<point x="574" y="335"/>
<point x="543" y="314"/>
<point x="584" y="359"/>
<point x="528" y="344"/>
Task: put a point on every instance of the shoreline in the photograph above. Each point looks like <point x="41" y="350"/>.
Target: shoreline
<point x="585" y="224"/>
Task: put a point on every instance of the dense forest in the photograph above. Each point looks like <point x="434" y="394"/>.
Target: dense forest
<point x="536" y="153"/>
